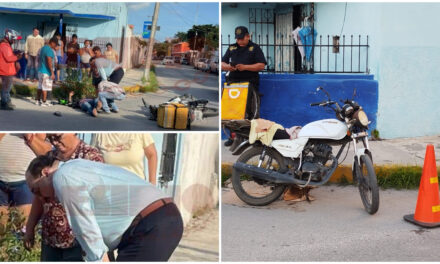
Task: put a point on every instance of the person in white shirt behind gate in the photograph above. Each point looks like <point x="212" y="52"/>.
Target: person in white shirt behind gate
<point x="109" y="208"/>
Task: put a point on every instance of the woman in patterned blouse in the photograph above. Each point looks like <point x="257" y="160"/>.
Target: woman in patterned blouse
<point x="58" y="241"/>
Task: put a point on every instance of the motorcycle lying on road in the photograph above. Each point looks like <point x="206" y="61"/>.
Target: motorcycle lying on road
<point x="198" y="107"/>
<point x="261" y="173"/>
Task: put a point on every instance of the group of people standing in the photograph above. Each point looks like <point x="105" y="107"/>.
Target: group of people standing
<point x="48" y="62"/>
<point x="90" y="199"/>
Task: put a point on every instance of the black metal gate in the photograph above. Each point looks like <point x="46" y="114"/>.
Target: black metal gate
<point x="168" y="157"/>
<point x="329" y="54"/>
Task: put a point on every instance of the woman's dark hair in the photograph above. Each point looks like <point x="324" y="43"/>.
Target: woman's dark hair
<point x="39" y="163"/>
<point x="74" y="36"/>
<point x="109" y="44"/>
<point x="96" y="48"/>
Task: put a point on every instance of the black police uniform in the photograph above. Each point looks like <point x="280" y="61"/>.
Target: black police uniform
<point x="250" y="54"/>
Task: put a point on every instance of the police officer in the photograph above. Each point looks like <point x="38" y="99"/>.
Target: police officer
<point x="244" y="60"/>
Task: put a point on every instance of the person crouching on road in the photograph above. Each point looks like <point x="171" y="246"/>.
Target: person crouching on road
<point x="108" y="208"/>
<point x="105" y="70"/>
<point x="7" y="67"/>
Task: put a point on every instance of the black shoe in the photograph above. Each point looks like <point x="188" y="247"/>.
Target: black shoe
<point x="7" y="106"/>
<point x="228" y="142"/>
<point x="114" y="111"/>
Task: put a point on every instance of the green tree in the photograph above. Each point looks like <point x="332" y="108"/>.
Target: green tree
<point x="203" y="35"/>
<point x="182" y="36"/>
<point x="161" y="48"/>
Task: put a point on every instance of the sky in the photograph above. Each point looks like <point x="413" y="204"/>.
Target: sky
<point x="173" y="17"/>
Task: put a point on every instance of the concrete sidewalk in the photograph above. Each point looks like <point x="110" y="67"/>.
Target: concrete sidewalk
<point x="200" y="240"/>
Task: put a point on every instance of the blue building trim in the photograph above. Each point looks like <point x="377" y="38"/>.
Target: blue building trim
<point x="286" y="97"/>
<point x="56" y="12"/>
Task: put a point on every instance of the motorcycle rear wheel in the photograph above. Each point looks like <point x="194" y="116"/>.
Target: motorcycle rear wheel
<point x="247" y="188"/>
<point x="254" y="105"/>
<point x="368" y="188"/>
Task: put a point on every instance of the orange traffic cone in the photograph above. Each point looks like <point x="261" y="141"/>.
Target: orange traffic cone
<point x="428" y="202"/>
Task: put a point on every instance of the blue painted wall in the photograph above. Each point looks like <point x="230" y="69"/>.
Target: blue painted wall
<point x="287" y="97"/>
<point x="404" y="57"/>
<point x="87" y="28"/>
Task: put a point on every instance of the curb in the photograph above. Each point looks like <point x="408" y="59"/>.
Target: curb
<point x="128" y="89"/>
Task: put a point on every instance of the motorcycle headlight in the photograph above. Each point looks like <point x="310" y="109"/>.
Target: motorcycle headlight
<point x="361" y="117"/>
<point x="347" y="110"/>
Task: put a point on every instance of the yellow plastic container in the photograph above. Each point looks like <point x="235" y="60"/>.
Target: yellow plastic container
<point x="234" y="100"/>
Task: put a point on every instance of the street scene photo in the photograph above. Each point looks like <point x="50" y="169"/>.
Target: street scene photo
<point x="76" y="66"/>
<point x="141" y="197"/>
<point x="330" y="134"/>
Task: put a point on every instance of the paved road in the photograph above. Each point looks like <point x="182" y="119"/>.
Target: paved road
<point x="181" y="79"/>
<point x="132" y="116"/>
<point x="333" y="228"/>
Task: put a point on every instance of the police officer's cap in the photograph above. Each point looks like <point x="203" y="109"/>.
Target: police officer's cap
<point x="240" y="32"/>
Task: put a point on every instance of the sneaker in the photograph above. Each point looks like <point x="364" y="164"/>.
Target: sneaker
<point x="105" y="112"/>
<point x="37" y="102"/>
<point x="46" y="104"/>
<point x="114" y="110"/>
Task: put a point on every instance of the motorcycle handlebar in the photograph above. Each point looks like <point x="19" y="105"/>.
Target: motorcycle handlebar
<point x="323" y="103"/>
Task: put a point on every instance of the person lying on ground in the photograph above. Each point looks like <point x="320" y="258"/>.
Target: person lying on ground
<point x="90" y="106"/>
<point x="109" y="208"/>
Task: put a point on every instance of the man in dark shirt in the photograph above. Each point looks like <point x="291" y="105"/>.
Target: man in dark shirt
<point x="244" y="59"/>
<point x="72" y="53"/>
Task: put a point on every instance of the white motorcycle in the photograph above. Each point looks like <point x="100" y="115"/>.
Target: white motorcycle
<point x="261" y="173"/>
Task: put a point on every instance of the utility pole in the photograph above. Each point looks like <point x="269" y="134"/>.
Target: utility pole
<point x="151" y="43"/>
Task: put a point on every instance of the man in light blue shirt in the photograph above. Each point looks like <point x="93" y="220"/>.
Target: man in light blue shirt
<point x="104" y="69"/>
<point x="109" y="208"/>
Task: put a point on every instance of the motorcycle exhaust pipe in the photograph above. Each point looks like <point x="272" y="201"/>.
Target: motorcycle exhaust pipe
<point x="280" y="178"/>
<point x="264" y="174"/>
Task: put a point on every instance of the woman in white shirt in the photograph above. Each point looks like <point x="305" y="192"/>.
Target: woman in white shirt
<point x="128" y="150"/>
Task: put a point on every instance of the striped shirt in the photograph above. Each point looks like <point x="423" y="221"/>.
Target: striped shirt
<point x="15" y="157"/>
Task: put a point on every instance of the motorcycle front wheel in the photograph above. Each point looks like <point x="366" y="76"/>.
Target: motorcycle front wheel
<point x="254" y="191"/>
<point x="368" y="188"/>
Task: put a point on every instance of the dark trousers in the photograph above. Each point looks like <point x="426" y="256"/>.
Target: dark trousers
<point x="115" y="77"/>
<point x="49" y="253"/>
<point x="154" y="238"/>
